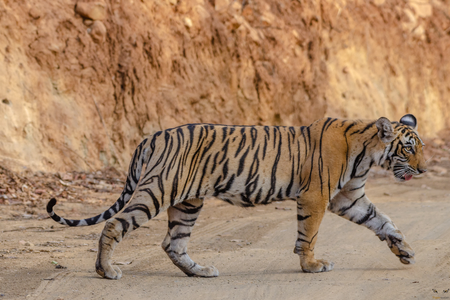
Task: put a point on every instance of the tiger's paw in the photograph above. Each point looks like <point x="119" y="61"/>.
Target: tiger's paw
<point x="110" y="272"/>
<point x="317" y="266"/>
<point x="207" y="272"/>
<point x="199" y="271"/>
<point x="398" y="245"/>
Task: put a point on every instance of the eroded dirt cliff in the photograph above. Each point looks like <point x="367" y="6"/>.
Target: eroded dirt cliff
<point x="83" y="81"/>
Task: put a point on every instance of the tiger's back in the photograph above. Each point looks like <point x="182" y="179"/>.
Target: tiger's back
<point x="244" y="165"/>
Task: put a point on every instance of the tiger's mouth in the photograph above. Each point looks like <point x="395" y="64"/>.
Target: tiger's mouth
<point x="407" y="177"/>
<point x="403" y="173"/>
<point x="404" y="177"/>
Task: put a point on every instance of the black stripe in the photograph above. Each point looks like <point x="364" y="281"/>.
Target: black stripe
<point x="254" y="135"/>
<point x="180" y="236"/>
<point x="273" y="178"/>
<point x="302" y="218"/>
<point x="141" y="207"/>
<point x="189" y="211"/>
<point x="358" y="161"/>
<point x="125" y="226"/>
<point x="370" y="212"/>
<point x="242" y="162"/>
<point x="155" y="200"/>
<point x="357" y="188"/>
<point x="197" y="194"/>
<point x="343" y="210"/>
<point x="241" y="143"/>
<point x="172" y="224"/>
<point x="135" y="224"/>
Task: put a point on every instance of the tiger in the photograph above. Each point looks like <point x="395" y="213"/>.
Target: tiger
<point x="323" y="166"/>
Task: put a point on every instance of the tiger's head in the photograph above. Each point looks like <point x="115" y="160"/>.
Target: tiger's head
<point x="404" y="148"/>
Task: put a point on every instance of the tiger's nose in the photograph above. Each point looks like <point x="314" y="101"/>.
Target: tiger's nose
<point x="421" y="170"/>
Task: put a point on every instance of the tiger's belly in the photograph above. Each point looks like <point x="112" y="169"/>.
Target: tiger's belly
<point x="250" y="189"/>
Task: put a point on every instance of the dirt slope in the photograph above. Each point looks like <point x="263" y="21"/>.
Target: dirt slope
<point x="83" y="81"/>
<point x="252" y="248"/>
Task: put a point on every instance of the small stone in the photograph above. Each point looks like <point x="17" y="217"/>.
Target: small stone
<point x="419" y="32"/>
<point x="92" y="10"/>
<point x="283" y="208"/>
<point x="67" y="177"/>
<point x="267" y="18"/>
<point x="345" y="70"/>
<point x="88" y="22"/>
<point x="410" y="15"/>
<point x="422" y="9"/>
<point x="60" y="267"/>
<point x="235" y="8"/>
<point x="187" y="22"/>
<point x="247" y="13"/>
<point x="221" y="5"/>
<point x="26" y="243"/>
<point x="98" y="32"/>
<point x="34" y="13"/>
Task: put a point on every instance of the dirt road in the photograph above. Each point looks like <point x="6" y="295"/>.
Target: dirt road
<point x="252" y="248"/>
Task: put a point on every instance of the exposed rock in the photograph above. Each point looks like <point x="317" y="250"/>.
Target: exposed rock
<point x="91" y="10"/>
<point x="26" y="243"/>
<point x="73" y="99"/>
<point x="422" y="8"/>
<point x="235" y="8"/>
<point x="221" y="5"/>
<point x="34" y="13"/>
<point x="88" y="22"/>
<point x="98" y="32"/>
<point x="247" y="13"/>
<point x="187" y="22"/>
<point x="419" y="32"/>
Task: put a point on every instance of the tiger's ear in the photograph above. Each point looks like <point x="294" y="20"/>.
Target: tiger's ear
<point x="409" y="120"/>
<point x="385" y="130"/>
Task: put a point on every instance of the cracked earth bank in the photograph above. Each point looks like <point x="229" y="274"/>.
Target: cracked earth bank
<point x="252" y="248"/>
<point x="83" y="81"/>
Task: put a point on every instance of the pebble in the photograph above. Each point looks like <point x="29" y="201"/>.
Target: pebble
<point x="187" y="22"/>
<point x="98" y="32"/>
<point x="26" y="243"/>
<point x="91" y="10"/>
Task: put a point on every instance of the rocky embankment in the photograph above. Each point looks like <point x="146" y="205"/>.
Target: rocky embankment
<point x="83" y="81"/>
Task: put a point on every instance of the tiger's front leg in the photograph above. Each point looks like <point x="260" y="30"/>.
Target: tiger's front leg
<point x="310" y="211"/>
<point x="182" y="218"/>
<point x="354" y="205"/>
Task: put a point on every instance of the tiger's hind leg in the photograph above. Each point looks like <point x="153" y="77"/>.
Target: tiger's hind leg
<point x="138" y="212"/>
<point x="182" y="218"/>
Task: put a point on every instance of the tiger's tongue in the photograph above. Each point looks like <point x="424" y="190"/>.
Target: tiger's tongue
<point x="408" y="177"/>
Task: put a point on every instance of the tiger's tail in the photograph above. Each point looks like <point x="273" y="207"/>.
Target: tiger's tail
<point x="140" y="156"/>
